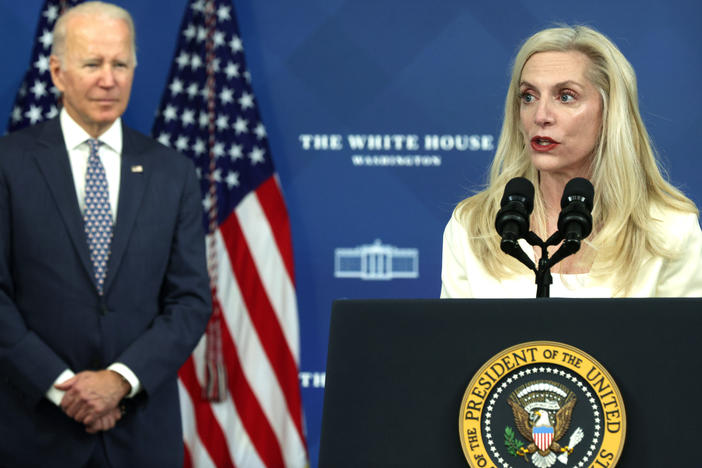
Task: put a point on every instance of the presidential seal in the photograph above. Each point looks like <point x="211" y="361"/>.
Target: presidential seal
<point x="544" y="403"/>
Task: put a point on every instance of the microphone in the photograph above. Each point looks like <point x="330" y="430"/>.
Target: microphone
<point x="575" y="220"/>
<point x="517" y="202"/>
<point x="512" y="221"/>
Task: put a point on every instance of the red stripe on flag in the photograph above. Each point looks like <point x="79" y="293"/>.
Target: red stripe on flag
<point x="271" y="200"/>
<point x="187" y="459"/>
<point x="263" y="317"/>
<point x="209" y="431"/>
<point x="250" y="412"/>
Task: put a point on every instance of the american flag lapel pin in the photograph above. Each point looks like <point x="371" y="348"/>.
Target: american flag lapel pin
<point x="138" y="168"/>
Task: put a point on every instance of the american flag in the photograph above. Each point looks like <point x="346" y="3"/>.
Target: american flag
<point x="37" y="98"/>
<point x="208" y="112"/>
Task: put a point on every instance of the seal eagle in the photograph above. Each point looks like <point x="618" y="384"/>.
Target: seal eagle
<point x="535" y="426"/>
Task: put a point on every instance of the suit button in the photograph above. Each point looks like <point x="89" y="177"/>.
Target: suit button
<point x="95" y="364"/>
<point x="103" y="309"/>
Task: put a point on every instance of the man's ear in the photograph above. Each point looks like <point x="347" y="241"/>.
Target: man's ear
<point x="56" y="72"/>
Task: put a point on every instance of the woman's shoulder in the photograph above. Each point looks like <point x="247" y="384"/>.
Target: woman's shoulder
<point x="674" y="228"/>
<point x="474" y="204"/>
<point x="672" y="219"/>
<point x="455" y="228"/>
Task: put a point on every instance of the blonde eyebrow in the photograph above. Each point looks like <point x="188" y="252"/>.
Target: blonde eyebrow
<point x="562" y="84"/>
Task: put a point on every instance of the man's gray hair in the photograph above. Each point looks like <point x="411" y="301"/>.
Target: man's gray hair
<point x="108" y="10"/>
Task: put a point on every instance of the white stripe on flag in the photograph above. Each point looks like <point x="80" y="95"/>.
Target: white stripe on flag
<point x="271" y="269"/>
<point x="238" y="442"/>
<point x="198" y="454"/>
<point x="240" y="445"/>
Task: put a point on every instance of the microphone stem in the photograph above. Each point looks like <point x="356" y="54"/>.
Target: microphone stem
<point x="543" y="271"/>
<point x="543" y="274"/>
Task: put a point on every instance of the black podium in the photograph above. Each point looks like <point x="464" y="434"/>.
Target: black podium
<point x="397" y="371"/>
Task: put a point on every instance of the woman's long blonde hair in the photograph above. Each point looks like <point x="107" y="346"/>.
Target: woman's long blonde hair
<point x="626" y="177"/>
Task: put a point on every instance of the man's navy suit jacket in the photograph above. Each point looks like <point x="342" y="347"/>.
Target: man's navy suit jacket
<point x="155" y="306"/>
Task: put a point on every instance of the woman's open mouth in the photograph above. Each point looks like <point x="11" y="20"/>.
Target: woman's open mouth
<point x="543" y="144"/>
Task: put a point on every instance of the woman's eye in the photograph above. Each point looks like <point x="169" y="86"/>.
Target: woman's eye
<point x="527" y="97"/>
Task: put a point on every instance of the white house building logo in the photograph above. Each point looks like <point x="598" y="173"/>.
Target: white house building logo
<point x="376" y="261"/>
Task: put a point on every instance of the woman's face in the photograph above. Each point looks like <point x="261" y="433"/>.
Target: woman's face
<point x="560" y="113"/>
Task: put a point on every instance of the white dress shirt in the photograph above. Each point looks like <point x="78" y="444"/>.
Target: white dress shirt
<point x="111" y="156"/>
<point x="78" y="151"/>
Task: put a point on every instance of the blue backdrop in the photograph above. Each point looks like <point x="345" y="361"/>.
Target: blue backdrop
<point x="426" y="80"/>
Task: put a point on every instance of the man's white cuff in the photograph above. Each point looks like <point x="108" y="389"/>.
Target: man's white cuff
<point x="54" y="394"/>
<point x="128" y="375"/>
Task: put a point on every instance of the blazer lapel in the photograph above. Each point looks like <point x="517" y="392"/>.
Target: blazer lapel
<point x="133" y="179"/>
<point x="52" y="158"/>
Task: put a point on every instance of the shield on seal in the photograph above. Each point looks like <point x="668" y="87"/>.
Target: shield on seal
<point x="543" y="436"/>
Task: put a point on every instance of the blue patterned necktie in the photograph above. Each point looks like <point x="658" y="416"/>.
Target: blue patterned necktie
<point x="98" y="215"/>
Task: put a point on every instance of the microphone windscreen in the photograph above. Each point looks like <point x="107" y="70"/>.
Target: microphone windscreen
<point x="578" y="188"/>
<point x="521" y="188"/>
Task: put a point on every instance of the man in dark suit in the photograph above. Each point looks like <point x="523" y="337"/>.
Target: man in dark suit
<point x="103" y="282"/>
